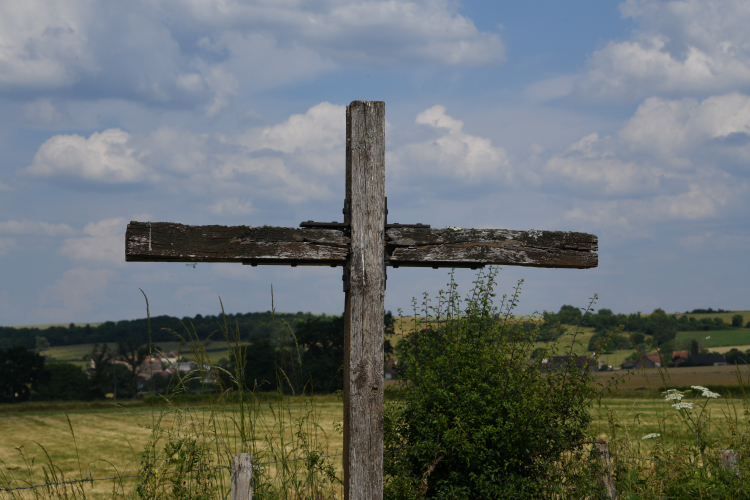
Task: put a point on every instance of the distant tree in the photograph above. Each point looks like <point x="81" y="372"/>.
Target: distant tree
<point x="134" y="355"/>
<point x="569" y="315"/>
<point x="100" y="370"/>
<point x="322" y="340"/>
<point x="42" y="344"/>
<point x="737" y="320"/>
<point x="260" y="360"/>
<point x="64" y="381"/>
<point x="735" y="356"/>
<point x="694" y="347"/>
<point x="20" y="370"/>
<point x="719" y="322"/>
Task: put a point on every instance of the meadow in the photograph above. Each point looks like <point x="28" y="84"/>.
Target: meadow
<point x="105" y="442"/>
<point x="716" y="338"/>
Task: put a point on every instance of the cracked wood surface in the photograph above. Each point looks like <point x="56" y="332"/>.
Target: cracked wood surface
<point x="364" y="302"/>
<point x="171" y="242"/>
<point x="422" y="247"/>
<point x="407" y="247"/>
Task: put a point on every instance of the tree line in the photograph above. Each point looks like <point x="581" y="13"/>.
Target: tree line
<point x="310" y="359"/>
<point x="256" y="325"/>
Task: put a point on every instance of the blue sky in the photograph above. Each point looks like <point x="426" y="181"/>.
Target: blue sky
<point x="627" y="120"/>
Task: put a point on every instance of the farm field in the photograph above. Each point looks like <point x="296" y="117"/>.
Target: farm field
<point x="109" y="441"/>
<point x="75" y="353"/>
<point x="651" y="378"/>
<point x="716" y="338"/>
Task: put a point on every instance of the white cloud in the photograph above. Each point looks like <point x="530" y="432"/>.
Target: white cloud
<point x="198" y="54"/>
<point x="665" y="148"/>
<point x="8" y="245"/>
<point x="453" y="153"/>
<point x="42" y="112"/>
<point x="78" y="290"/>
<point x="36" y="228"/>
<point x="231" y="206"/>
<point x="314" y="140"/>
<point x="699" y="202"/>
<point x="692" y="46"/>
<point x="592" y="166"/>
<point x="106" y="157"/>
<point x="673" y="160"/>
<point x="383" y="32"/>
<point x="679" y="131"/>
<point x="44" y="44"/>
<point x="105" y="243"/>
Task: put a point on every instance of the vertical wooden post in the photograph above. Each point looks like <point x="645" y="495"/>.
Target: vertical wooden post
<point x="606" y="479"/>
<point x="242" y="476"/>
<point x="365" y="294"/>
<point x="730" y="461"/>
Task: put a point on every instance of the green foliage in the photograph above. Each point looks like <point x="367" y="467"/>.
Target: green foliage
<point x="737" y="320"/>
<point x="476" y="418"/>
<point x="63" y="381"/>
<point x="607" y="342"/>
<point x="254" y="325"/>
<point x="736" y="357"/>
<point x="322" y="342"/>
<point x="20" y="369"/>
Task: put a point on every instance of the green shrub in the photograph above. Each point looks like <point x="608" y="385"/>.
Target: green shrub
<point x="477" y="417"/>
<point x="63" y="381"/>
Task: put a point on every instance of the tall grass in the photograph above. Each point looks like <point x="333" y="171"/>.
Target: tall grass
<point x="193" y="439"/>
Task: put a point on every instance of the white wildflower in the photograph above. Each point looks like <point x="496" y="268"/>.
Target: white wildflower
<point x="651" y="436"/>
<point x="673" y="395"/>
<point x="699" y="388"/>
<point x="686" y="406"/>
<point x="709" y="394"/>
<point x="708" y="337"/>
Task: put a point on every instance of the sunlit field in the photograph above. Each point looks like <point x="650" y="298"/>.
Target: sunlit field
<point x="109" y="442"/>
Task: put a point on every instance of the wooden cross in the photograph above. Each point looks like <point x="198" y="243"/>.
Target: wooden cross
<point x="364" y="245"/>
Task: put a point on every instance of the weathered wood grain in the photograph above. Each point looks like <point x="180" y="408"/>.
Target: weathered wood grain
<point x="422" y="247"/>
<point x="363" y="352"/>
<point x="170" y="242"/>
<point x="242" y="477"/>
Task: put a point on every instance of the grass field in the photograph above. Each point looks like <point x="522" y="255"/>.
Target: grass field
<point x="717" y="338"/>
<point x="215" y="350"/>
<point x="109" y="442"/>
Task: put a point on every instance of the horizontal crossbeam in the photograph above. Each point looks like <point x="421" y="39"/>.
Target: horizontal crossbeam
<point x="455" y="247"/>
<point x="170" y="242"/>
<point x="405" y="247"/>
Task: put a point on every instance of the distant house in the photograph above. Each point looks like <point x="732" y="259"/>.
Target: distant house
<point x="680" y="357"/>
<point x="654" y="356"/>
<point x="712" y="359"/>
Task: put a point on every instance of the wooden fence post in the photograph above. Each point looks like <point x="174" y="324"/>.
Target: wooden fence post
<point x="606" y="479"/>
<point x="242" y="477"/>
<point x="730" y="461"/>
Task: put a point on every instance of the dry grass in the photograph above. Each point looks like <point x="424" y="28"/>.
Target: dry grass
<point x="111" y="441"/>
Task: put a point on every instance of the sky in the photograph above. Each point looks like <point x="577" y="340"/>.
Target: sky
<point x="626" y="120"/>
